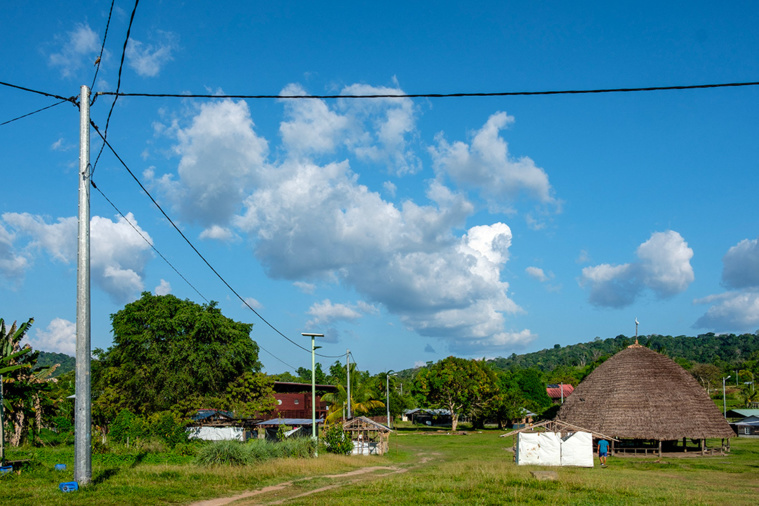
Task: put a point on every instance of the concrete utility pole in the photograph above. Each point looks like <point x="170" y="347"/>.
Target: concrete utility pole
<point x="313" y="382"/>
<point x="348" y="369"/>
<point x="387" y="390"/>
<point x="83" y="407"/>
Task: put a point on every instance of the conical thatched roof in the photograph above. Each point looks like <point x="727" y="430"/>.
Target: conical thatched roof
<point x="640" y="394"/>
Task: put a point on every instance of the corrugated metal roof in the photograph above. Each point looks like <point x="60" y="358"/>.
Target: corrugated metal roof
<point x="554" y="391"/>
<point x="290" y="421"/>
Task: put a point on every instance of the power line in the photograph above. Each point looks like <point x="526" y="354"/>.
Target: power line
<point x="170" y="264"/>
<point x="102" y="49"/>
<point x="73" y="99"/>
<point x="441" y="95"/>
<point x="35" y="112"/>
<point x="118" y="86"/>
<point x="197" y="252"/>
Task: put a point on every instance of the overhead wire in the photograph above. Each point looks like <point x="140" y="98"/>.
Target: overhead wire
<point x="169" y="263"/>
<point x="35" y="112"/>
<point x="99" y="60"/>
<point x="439" y="95"/>
<point x="118" y="85"/>
<point x="73" y="99"/>
<point x="189" y="243"/>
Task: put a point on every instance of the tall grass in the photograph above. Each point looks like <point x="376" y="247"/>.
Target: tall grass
<point x="235" y="453"/>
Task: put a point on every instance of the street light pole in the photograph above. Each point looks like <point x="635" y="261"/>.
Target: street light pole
<point x="313" y="382"/>
<point x="724" y="402"/>
<point x="387" y="389"/>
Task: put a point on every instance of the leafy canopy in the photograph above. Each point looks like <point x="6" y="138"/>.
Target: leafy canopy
<point x="167" y="349"/>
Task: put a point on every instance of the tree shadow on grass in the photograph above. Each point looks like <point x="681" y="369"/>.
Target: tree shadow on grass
<point x="105" y="475"/>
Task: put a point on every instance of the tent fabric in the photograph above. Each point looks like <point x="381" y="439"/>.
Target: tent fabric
<point x="577" y="450"/>
<point x="216" y="433"/>
<point x="549" y="449"/>
<point x="543" y="449"/>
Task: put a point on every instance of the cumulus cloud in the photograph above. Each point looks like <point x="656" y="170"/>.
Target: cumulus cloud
<point x="740" y="265"/>
<point x="305" y="287"/>
<point x="251" y="302"/>
<point x="164" y="288"/>
<point x="486" y="165"/>
<point x="148" y="59"/>
<point x="736" y="310"/>
<point x="117" y="254"/>
<point x="76" y="50"/>
<point x="221" y="158"/>
<point x="663" y="267"/>
<point x="59" y="337"/>
<point x="311" y="219"/>
<point x="537" y="273"/>
<point x="13" y="265"/>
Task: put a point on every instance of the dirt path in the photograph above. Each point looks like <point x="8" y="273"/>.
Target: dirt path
<point x="274" y="493"/>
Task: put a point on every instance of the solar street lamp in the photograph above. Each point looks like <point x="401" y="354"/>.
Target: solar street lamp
<point x="313" y="381"/>
<point x="387" y="389"/>
<point x="724" y="402"/>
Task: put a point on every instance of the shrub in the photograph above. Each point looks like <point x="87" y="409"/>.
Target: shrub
<point x="335" y="441"/>
<point x="168" y="427"/>
<point x="219" y="453"/>
<point x="127" y="426"/>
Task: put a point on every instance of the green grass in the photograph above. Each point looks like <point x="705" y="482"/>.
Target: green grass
<point x="437" y="468"/>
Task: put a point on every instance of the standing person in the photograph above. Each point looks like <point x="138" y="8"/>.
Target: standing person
<point x="603" y="451"/>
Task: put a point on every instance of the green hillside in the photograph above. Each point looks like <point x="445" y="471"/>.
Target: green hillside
<point x="67" y="362"/>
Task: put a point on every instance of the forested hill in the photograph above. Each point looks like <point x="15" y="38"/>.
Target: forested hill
<point x="706" y="349"/>
<point x="67" y="362"/>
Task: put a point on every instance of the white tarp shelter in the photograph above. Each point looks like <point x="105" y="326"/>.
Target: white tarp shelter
<point x="216" y="433"/>
<point x="550" y="449"/>
<point x="577" y="450"/>
<point x="539" y="448"/>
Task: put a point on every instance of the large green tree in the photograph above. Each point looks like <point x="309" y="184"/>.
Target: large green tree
<point x="167" y="350"/>
<point x="457" y="384"/>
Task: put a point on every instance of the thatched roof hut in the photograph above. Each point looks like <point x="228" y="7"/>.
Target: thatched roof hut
<point x="640" y="394"/>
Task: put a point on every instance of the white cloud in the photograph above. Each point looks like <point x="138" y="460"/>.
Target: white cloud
<point x="76" y="50"/>
<point x="221" y="158"/>
<point x="325" y="313"/>
<point x="487" y="165"/>
<point x="148" y="59"/>
<point x="217" y="232"/>
<point x="537" y="273"/>
<point x="733" y="312"/>
<point x="251" y="302"/>
<point x="663" y="267"/>
<point x="741" y="265"/>
<point x="305" y="287"/>
<point x="314" y="221"/>
<point x="738" y="310"/>
<point x="59" y="337"/>
<point x="12" y="264"/>
<point x="118" y="255"/>
<point x="164" y="288"/>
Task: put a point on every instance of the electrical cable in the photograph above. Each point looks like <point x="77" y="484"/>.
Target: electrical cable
<point x="170" y="264"/>
<point x="200" y="255"/>
<point x="442" y="95"/>
<point x="102" y="49"/>
<point x="35" y="112"/>
<point x="118" y="86"/>
<point x="73" y="100"/>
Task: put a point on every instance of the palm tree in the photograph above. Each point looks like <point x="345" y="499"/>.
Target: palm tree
<point x="363" y="397"/>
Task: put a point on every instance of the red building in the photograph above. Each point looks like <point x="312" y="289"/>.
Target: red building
<point x="294" y="400"/>
<point x="559" y="392"/>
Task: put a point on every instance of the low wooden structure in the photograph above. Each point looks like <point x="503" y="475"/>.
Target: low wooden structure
<point x="369" y="437"/>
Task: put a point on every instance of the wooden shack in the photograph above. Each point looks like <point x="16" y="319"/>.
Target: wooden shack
<point x="369" y="437"/>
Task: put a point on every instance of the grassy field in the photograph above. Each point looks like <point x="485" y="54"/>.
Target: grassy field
<point x="421" y="468"/>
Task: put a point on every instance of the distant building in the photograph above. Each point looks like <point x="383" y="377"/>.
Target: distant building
<point x="294" y="400"/>
<point x="559" y="392"/>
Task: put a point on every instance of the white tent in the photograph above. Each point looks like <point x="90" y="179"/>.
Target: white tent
<point x="539" y="448"/>
<point x="216" y="433"/>
<point x="550" y="449"/>
<point x="577" y="450"/>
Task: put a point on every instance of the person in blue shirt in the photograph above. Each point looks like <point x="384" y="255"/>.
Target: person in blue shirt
<point x="603" y="451"/>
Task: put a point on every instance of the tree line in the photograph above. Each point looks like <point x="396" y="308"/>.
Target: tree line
<point x="172" y="357"/>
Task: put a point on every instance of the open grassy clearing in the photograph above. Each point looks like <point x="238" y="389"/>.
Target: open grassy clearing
<point x="421" y="469"/>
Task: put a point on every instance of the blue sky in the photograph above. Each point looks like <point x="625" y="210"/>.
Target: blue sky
<point x="406" y="230"/>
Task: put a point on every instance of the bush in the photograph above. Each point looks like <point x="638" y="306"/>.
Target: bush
<point x="335" y="441"/>
<point x="168" y="427"/>
<point x="220" y="453"/>
<point x="127" y="427"/>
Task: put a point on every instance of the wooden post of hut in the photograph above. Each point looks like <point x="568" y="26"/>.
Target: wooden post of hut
<point x="660" y="448"/>
<point x="685" y="445"/>
<point x="703" y="446"/>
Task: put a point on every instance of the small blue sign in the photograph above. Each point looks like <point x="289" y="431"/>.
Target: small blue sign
<point x="69" y="486"/>
<point x="60" y="467"/>
<point x="6" y="469"/>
